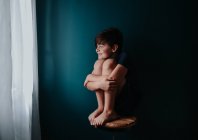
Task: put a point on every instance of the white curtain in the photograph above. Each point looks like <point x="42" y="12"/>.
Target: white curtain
<point x="19" y="114"/>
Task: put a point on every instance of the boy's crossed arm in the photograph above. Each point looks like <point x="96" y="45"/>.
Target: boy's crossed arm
<point x="96" y="82"/>
<point x="119" y="73"/>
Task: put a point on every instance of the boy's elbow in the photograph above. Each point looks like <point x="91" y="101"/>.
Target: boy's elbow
<point x="89" y="87"/>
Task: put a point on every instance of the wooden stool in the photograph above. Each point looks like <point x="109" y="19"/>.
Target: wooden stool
<point x="121" y="124"/>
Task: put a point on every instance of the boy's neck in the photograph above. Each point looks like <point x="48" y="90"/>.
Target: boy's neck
<point x="113" y="56"/>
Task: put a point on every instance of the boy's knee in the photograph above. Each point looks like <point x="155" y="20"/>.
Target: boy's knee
<point x="98" y="65"/>
<point x="109" y="65"/>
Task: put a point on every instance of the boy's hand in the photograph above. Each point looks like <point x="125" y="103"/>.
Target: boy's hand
<point x="107" y="84"/>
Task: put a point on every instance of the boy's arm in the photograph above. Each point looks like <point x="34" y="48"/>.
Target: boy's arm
<point x="93" y="82"/>
<point x="121" y="69"/>
<point x="94" y="78"/>
<point x="92" y="86"/>
<point x="118" y="73"/>
<point x="91" y="78"/>
<point x="104" y="85"/>
<point x="97" y="82"/>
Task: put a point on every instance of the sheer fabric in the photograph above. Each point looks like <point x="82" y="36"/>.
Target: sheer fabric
<point x="19" y="116"/>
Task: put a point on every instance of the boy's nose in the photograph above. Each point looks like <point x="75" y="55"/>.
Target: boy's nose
<point x="97" y="50"/>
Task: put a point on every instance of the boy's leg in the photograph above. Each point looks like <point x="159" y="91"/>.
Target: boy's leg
<point x="109" y="96"/>
<point x="99" y="93"/>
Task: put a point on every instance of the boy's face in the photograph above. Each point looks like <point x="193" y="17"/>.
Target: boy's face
<point x="104" y="51"/>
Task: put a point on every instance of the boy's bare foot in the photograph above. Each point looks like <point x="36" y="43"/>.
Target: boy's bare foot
<point x="94" y="114"/>
<point x="105" y="117"/>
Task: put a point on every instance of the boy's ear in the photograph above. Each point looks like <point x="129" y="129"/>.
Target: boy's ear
<point x="114" y="48"/>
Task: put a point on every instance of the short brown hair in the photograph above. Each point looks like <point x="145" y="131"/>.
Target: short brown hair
<point x="110" y="36"/>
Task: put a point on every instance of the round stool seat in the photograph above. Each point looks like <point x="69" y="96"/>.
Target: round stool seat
<point x="121" y="123"/>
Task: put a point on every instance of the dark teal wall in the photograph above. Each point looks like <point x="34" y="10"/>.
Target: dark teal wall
<point x="158" y="36"/>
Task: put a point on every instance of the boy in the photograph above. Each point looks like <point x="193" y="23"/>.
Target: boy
<point x="108" y="47"/>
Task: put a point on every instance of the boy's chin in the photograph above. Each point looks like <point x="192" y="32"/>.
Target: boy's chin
<point x="102" y="57"/>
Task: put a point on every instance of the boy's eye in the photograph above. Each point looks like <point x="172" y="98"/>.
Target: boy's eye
<point x="100" y="46"/>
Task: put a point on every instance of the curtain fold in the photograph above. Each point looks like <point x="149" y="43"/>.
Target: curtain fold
<point x="19" y="114"/>
<point x="6" y="114"/>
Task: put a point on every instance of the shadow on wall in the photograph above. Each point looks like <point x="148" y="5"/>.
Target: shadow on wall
<point x="144" y="58"/>
<point x="145" y="66"/>
<point x="128" y="100"/>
